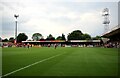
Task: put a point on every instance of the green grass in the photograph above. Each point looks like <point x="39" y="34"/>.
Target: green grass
<point x="75" y="62"/>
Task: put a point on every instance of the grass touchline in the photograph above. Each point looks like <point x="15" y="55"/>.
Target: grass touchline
<point x="31" y="65"/>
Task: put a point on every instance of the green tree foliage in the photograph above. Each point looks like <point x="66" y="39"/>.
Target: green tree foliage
<point x="50" y="37"/>
<point x="11" y="39"/>
<point x="22" y="37"/>
<point x="59" y="38"/>
<point x="0" y="39"/>
<point x="42" y="39"/>
<point x="37" y="36"/>
<point x="75" y="35"/>
<point x="78" y="35"/>
<point x="97" y="38"/>
<point x="5" y="40"/>
<point x="86" y="37"/>
<point x="63" y="37"/>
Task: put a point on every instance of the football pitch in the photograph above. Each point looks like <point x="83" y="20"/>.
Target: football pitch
<point x="63" y="61"/>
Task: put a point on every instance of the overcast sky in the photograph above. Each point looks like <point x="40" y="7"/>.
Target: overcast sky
<point x="55" y="16"/>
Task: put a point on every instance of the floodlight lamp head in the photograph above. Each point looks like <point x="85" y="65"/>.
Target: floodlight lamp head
<point x="16" y="16"/>
<point x="106" y="10"/>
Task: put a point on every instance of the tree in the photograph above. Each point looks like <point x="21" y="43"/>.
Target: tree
<point x="37" y="36"/>
<point x="22" y="37"/>
<point x="0" y="39"/>
<point x="11" y="39"/>
<point x="5" y="40"/>
<point x="75" y="35"/>
<point x="42" y="39"/>
<point x="59" y="38"/>
<point x="50" y="37"/>
<point x="86" y="37"/>
<point x="97" y="38"/>
<point x="63" y="37"/>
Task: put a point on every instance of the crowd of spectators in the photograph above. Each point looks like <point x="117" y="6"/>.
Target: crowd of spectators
<point x="110" y="44"/>
<point x="113" y="44"/>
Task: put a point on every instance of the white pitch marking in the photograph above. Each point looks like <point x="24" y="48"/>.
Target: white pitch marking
<point x="31" y="65"/>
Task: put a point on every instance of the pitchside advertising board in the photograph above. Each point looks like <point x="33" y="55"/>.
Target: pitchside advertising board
<point x="65" y="41"/>
<point x="84" y="40"/>
<point x="46" y="41"/>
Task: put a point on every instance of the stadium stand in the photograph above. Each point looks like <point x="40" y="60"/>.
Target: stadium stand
<point x="114" y="36"/>
<point x="62" y="43"/>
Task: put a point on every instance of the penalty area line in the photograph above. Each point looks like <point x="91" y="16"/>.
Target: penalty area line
<point x="31" y="65"/>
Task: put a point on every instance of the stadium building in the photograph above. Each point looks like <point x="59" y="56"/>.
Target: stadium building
<point x="63" y="43"/>
<point x="114" y="36"/>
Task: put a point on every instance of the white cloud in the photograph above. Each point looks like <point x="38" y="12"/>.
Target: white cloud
<point x="53" y="18"/>
<point x="61" y="0"/>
